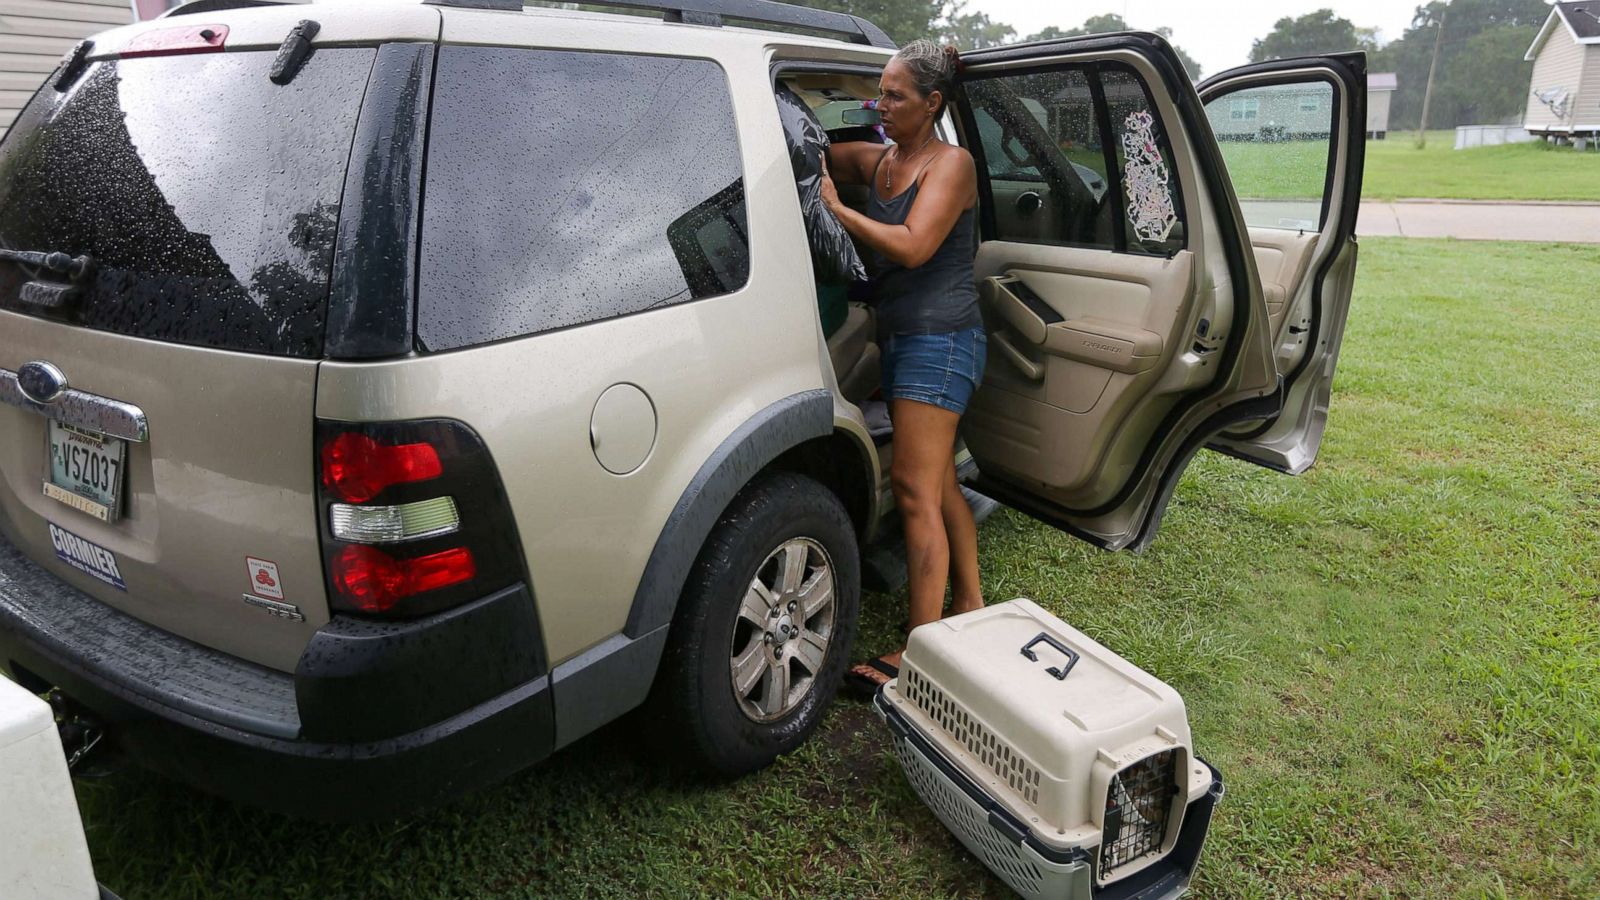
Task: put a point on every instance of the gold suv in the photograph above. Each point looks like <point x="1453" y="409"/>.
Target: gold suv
<point x="393" y="394"/>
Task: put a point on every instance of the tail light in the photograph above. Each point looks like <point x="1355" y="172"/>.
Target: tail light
<point x="373" y="581"/>
<point x="356" y="468"/>
<point x="413" y="518"/>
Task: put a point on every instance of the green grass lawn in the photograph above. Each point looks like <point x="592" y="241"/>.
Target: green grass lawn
<point x="1396" y="168"/>
<point x="1393" y="659"/>
<point x="1537" y="171"/>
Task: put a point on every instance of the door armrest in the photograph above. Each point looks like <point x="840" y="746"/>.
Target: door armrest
<point x="1089" y="339"/>
<point x="1112" y="345"/>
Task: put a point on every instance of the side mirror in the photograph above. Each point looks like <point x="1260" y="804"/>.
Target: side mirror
<point x="861" y="117"/>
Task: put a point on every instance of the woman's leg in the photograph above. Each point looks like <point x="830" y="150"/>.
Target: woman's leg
<point x="966" y="593"/>
<point x="924" y="441"/>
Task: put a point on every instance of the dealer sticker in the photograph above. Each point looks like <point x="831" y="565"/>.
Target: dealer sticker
<point x="86" y="556"/>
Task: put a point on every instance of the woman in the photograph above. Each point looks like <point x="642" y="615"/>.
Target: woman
<point x="919" y="231"/>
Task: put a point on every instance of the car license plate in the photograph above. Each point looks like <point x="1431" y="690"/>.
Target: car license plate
<point x="85" y="471"/>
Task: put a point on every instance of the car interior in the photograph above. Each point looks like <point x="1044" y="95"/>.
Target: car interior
<point x="851" y="336"/>
<point x="1080" y="339"/>
<point x="1098" y="320"/>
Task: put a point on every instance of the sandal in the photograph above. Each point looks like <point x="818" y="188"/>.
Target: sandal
<point x="864" y="687"/>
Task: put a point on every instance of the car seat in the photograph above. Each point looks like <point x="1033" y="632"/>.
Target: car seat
<point x="855" y="357"/>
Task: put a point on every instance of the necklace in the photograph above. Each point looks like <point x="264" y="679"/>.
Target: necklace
<point x="888" y="177"/>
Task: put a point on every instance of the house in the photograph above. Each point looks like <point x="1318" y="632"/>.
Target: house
<point x="1274" y="113"/>
<point x="35" y="33"/>
<point x="1564" y="95"/>
<point x="1380" y="86"/>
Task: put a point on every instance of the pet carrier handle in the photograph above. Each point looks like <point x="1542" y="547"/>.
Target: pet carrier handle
<point x="1060" y="672"/>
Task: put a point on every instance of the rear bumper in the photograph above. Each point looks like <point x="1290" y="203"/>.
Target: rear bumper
<point x="378" y="720"/>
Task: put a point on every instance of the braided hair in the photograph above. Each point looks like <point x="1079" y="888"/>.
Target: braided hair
<point x="932" y="68"/>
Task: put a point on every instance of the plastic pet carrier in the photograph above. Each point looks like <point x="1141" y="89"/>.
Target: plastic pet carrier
<point x="1066" y="769"/>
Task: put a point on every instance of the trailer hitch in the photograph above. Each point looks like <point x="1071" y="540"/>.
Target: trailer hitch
<point x="80" y="734"/>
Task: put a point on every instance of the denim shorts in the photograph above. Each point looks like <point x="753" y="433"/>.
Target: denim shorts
<point x="941" y="369"/>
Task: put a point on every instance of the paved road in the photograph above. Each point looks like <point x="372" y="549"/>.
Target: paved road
<point x="1482" y="220"/>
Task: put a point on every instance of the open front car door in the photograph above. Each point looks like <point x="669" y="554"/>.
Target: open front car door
<point x="1127" y="325"/>
<point x="1293" y="132"/>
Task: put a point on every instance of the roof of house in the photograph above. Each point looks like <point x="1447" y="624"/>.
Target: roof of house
<point x="1581" y="18"/>
<point x="1384" y="81"/>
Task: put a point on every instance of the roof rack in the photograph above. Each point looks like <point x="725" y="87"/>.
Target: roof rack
<point x="205" y="6"/>
<point x="854" y="29"/>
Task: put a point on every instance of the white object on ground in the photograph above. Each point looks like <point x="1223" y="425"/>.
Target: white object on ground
<point x="43" y="854"/>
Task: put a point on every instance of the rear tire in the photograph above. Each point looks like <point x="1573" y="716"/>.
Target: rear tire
<point x="764" y="628"/>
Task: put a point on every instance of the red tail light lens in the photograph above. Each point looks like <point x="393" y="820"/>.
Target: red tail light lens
<point x="373" y="581"/>
<point x="356" y="468"/>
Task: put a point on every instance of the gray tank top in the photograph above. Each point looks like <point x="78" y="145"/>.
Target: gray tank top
<point x="937" y="297"/>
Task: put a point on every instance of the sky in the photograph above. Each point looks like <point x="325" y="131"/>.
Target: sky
<point x="1218" y="35"/>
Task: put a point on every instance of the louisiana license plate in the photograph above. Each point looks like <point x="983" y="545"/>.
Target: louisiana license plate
<point x="85" y="471"/>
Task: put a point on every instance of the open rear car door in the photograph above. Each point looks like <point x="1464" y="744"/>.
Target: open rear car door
<point x="1293" y="132"/>
<point x="1127" y="325"/>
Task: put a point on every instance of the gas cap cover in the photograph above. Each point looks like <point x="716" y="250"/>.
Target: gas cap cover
<point x="622" y="430"/>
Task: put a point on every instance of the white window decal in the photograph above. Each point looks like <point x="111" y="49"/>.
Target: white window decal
<point x="1146" y="180"/>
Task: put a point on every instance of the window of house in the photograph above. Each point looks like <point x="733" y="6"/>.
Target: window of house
<point x="1278" y="165"/>
<point x="569" y="187"/>
<point x="1244" y="109"/>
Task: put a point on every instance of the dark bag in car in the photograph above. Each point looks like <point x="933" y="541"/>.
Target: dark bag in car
<point x="833" y="254"/>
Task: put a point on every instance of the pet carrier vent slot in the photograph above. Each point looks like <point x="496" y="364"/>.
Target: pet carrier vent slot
<point x="999" y="756"/>
<point x="1001" y="856"/>
<point x="1138" y="808"/>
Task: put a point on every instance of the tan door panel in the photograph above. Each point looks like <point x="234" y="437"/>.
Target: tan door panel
<point x="1282" y="257"/>
<point x="1026" y="209"/>
<point x="1084" y="363"/>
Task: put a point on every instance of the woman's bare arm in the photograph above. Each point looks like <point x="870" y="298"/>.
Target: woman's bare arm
<point x="949" y="187"/>
<point x="853" y="162"/>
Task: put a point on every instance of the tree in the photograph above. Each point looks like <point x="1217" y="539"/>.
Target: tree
<point x="1110" y="22"/>
<point x="903" y="20"/>
<point x="1482" y="78"/>
<point x="1315" y="32"/>
<point x="973" y="31"/>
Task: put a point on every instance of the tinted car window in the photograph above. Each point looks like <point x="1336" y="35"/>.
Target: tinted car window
<point x="206" y="196"/>
<point x="1038" y="133"/>
<point x="567" y="187"/>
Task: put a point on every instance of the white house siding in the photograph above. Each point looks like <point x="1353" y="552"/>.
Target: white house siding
<point x="1586" y="106"/>
<point x="1378" y="111"/>
<point x="1559" y="64"/>
<point x="35" y="33"/>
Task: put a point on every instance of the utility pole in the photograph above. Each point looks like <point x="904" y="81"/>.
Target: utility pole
<point x="1427" y="93"/>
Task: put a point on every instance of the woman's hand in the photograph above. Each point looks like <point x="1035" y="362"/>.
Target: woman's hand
<point x="830" y="193"/>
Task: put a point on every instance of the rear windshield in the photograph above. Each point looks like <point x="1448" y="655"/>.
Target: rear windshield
<point x="206" y="196"/>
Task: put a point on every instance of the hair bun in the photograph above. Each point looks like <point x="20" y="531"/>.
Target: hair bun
<point x="953" y="56"/>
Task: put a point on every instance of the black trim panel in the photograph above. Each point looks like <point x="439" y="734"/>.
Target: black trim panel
<point x="781" y="426"/>
<point x="363" y="680"/>
<point x="604" y="682"/>
<point x="371" y="310"/>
